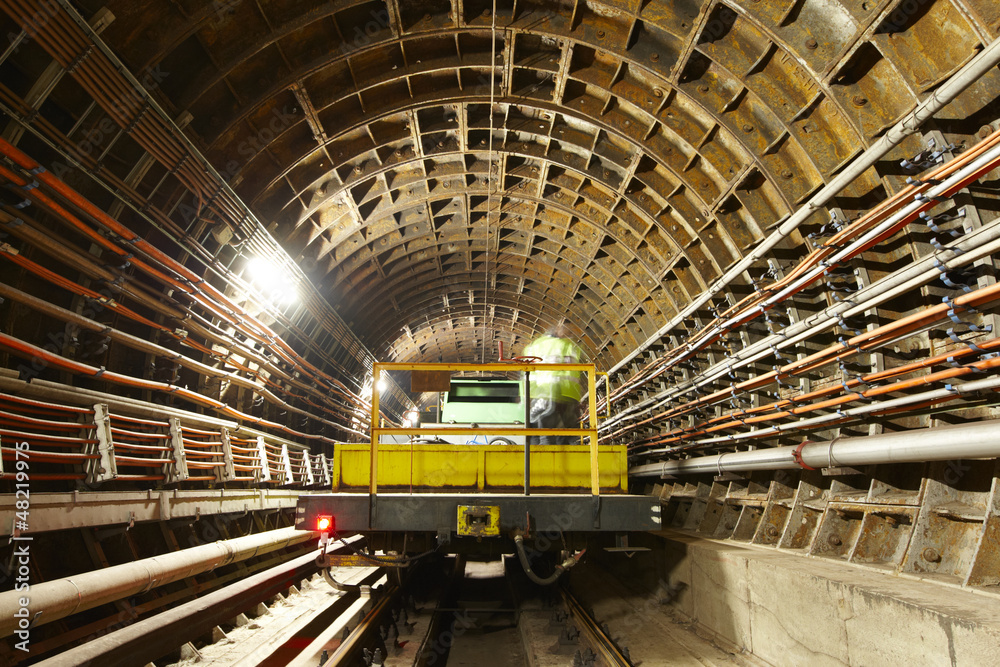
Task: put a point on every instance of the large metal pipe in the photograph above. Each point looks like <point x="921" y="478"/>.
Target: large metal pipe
<point x="977" y="440"/>
<point x="971" y="72"/>
<point x="150" y="638"/>
<point x="63" y="597"/>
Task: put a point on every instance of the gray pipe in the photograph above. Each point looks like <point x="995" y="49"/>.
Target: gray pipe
<point x="977" y="440"/>
<point x="149" y="638"/>
<point x="63" y="597"/>
<point x="986" y="60"/>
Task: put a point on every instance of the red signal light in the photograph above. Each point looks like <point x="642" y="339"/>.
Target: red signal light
<point x="324" y="523"/>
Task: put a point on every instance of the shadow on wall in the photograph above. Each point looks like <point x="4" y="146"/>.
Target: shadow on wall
<point x="666" y="580"/>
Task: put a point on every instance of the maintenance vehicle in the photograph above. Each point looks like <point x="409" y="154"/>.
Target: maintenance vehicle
<point x="473" y="482"/>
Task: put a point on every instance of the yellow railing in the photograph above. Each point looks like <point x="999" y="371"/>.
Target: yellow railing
<point x="607" y="394"/>
<point x="377" y="430"/>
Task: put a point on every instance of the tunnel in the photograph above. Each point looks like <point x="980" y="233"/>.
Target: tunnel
<point x="771" y="227"/>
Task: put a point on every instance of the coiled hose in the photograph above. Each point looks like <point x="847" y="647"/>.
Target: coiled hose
<point x="551" y="579"/>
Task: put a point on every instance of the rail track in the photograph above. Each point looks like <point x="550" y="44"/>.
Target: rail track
<point x="604" y="649"/>
<point x="439" y="612"/>
<point x="468" y="614"/>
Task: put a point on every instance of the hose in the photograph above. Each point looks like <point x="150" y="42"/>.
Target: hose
<point x="560" y="568"/>
<point x="361" y="589"/>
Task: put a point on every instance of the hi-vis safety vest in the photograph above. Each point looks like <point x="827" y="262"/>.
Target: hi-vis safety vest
<point x="555" y="385"/>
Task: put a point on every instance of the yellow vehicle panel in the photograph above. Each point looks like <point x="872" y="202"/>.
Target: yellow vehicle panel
<point x="479" y="467"/>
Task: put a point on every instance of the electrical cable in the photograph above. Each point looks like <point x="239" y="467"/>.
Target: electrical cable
<point x="402" y="561"/>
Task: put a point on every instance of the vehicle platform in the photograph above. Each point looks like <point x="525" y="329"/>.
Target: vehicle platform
<point x="436" y="512"/>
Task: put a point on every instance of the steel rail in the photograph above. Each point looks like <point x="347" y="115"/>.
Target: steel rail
<point x="345" y="654"/>
<point x="448" y="599"/>
<point x="600" y="640"/>
<point x="296" y="642"/>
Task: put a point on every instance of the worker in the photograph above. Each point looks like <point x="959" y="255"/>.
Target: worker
<point x="555" y="395"/>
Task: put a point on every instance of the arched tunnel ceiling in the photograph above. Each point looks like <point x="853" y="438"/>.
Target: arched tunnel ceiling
<point x="638" y="148"/>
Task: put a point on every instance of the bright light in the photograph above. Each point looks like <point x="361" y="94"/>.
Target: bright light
<point x="324" y="523"/>
<point x="261" y="271"/>
<point x="272" y="281"/>
<point x="382" y="385"/>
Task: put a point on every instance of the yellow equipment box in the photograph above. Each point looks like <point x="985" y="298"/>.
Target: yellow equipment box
<point x="446" y="468"/>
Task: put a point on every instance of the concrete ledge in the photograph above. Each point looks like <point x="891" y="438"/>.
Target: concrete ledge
<point x="792" y="610"/>
<point x="84" y="509"/>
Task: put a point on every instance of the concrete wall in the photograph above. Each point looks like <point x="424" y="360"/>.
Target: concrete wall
<point x="787" y="609"/>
